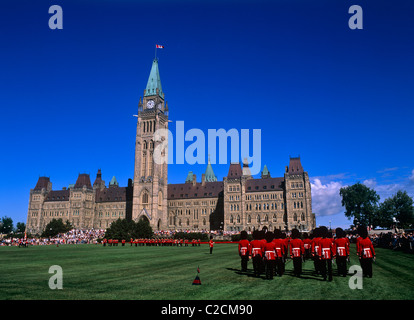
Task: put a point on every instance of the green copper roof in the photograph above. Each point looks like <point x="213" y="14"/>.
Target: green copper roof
<point x="113" y="182"/>
<point x="210" y="176"/>
<point x="189" y="177"/>
<point x="265" y="171"/>
<point x="154" y="81"/>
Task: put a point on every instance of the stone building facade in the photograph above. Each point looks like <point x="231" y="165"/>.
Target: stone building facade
<point x="239" y="202"/>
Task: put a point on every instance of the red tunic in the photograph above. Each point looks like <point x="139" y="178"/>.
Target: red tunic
<point x="366" y="249"/>
<point x="244" y="247"/>
<point x="296" y="248"/>
<point x="342" y="247"/>
<point x="279" y="247"/>
<point x="257" y="248"/>
<point x="315" y="246"/>
<point x="270" y="251"/>
<point x="307" y="243"/>
<point x="327" y="250"/>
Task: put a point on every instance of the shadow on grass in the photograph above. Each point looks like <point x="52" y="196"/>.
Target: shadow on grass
<point x="305" y="275"/>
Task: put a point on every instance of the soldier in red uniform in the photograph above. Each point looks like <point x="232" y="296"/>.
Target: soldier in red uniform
<point x="342" y="251"/>
<point x="270" y="255"/>
<point x="256" y="251"/>
<point x="297" y="250"/>
<point x="327" y="253"/>
<point x="307" y="245"/>
<point x="285" y="249"/>
<point x="211" y="244"/>
<point x="104" y="242"/>
<point x="280" y="251"/>
<point x="123" y="242"/>
<point x="366" y="252"/>
<point x="315" y="250"/>
<point x="244" y="249"/>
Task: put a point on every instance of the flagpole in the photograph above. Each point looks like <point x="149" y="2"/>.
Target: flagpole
<point x="155" y="52"/>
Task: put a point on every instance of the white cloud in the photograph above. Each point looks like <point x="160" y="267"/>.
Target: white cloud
<point x="326" y="200"/>
<point x="370" y="183"/>
<point x="411" y="178"/>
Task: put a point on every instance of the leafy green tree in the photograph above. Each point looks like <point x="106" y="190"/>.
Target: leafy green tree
<point x="6" y="225"/>
<point x="127" y="229"/>
<point x="142" y="229"/>
<point x="54" y="227"/>
<point x="360" y="202"/>
<point x="20" y="227"/>
<point x="120" y="229"/>
<point x="384" y="215"/>
<point x="401" y="207"/>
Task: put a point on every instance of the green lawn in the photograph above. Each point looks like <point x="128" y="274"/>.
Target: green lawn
<point x="96" y="272"/>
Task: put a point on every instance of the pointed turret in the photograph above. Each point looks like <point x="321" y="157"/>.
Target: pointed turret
<point x="154" y="82"/>
<point x="113" y="182"/>
<point x="209" y="174"/>
<point x="189" y="177"/>
<point x="265" y="172"/>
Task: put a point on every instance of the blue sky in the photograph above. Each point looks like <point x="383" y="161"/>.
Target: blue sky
<point x="342" y="99"/>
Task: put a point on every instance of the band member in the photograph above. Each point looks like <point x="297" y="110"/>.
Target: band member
<point x="315" y="250"/>
<point x="366" y="252"/>
<point x="307" y="244"/>
<point x="297" y="250"/>
<point x="123" y="242"/>
<point x="256" y="251"/>
<point x="104" y="242"/>
<point x="270" y="255"/>
<point x="280" y="252"/>
<point x="285" y="249"/>
<point x="342" y="251"/>
<point x="211" y="244"/>
<point x="244" y="249"/>
<point x="327" y="253"/>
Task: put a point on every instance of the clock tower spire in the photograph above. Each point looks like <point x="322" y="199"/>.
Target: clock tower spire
<point x="150" y="177"/>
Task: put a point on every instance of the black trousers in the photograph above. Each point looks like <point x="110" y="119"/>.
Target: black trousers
<point x="279" y="265"/>
<point x="257" y="261"/>
<point x="297" y="266"/>
<point x="211" y="250"/>
<point x="244" y="261"/>
<point x="269" y="266"/>
<point x="366" y="265"/>
<point x="341" y="263"/>
<point x="326" y="268"/>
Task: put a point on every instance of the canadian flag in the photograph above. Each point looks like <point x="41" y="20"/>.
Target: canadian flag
<point x="158" y="46"/>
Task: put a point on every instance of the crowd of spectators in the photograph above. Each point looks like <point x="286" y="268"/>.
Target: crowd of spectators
<point x="398" y="241"/>
<point x="74" y="236"/>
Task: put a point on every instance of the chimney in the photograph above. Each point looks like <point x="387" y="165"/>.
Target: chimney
<point x="203" y="179"/>
<point x="286" y="169"/>
<point x="194" y="180"/>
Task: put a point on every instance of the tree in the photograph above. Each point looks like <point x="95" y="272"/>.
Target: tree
<point x="6" y="225"/>
<point x="20" y="227"/>
<point x="143" y="229"/>
<point x="127" y="229"/>
<point x="55" y="227"/>
<point x="360" y="202"/>
<point x="384" y="215"/>
<point x="401" y="207"/>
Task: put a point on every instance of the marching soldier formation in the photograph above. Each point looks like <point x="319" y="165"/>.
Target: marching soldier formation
<point x="269" y="252"/>
<point x="154" y="242"/>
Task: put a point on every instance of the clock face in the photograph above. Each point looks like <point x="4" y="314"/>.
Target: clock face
<point x="150" y="104"/>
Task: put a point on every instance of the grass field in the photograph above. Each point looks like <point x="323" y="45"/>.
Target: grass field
<point x="96" y="272"/>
